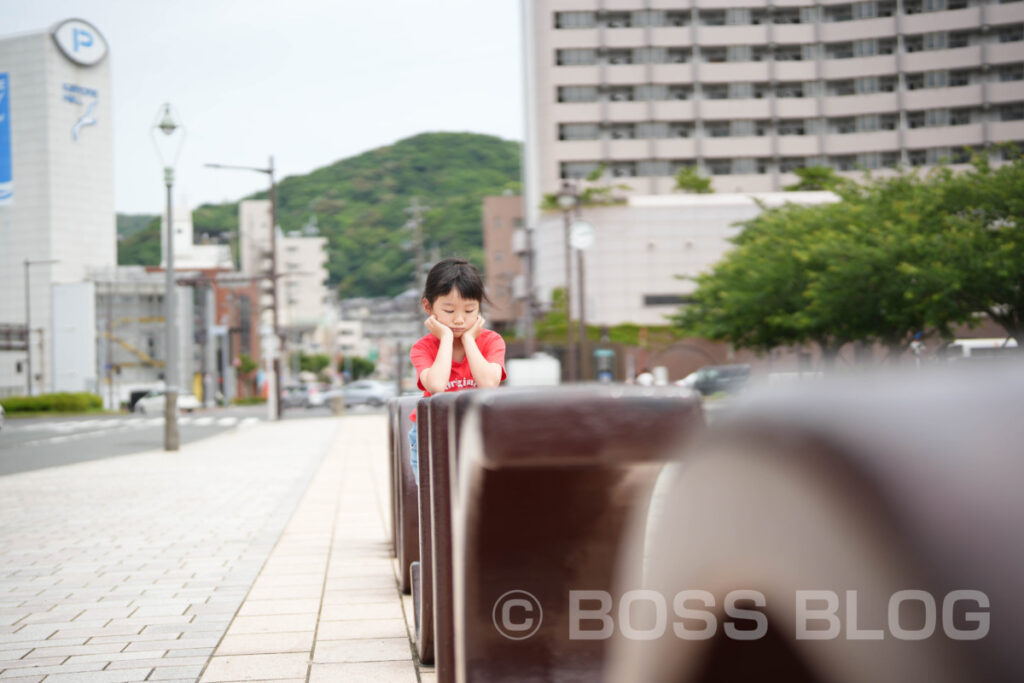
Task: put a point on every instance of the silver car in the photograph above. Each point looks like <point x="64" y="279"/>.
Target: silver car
<point x="366" y="392"/>
<point x="153" y="403"/>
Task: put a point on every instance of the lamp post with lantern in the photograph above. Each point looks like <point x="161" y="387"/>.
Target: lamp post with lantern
<point x="567" y="199"/>
<point x="168" y="136"/>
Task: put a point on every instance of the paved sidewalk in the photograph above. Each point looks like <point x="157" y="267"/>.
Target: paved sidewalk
<point x="174" y="567"/>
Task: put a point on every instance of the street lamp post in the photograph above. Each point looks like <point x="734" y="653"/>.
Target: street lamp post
<point x="567" y="199"/>
<point x="28" y="319"/>
<point x="168" y="136"/>
<point x="275" y="376"/>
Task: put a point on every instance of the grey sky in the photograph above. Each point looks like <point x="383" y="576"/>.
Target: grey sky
<point x="309" y="81"/>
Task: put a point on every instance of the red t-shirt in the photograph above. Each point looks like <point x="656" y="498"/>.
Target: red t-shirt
<point x="424" y="352"/>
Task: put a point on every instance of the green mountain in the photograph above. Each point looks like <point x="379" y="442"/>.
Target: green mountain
<point x="360" y="206"/>
<point x="131" y="223"/>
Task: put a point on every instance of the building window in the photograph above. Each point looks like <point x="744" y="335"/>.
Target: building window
<point x="790" y="164"/>
<point x="785" y="16"/>
<point x="578" y="131"/>
<point x="680" y="130"/>
<point x="847" y="162"/>
<point x="652" y="168"/>
<point x="618" y="19"/>
<point x="789" y="90"/>
<point x="717" y="129"/>
<point x="575" y="57"/>
<point x="711" y="17"/>
<point x="575" y="19"/>
<point x="840" y="88"/>
<point x="622" y="131"/>
<point x="719" y="166"/>
<point x="623" y="169"/>
<point x="791" y="127"/>
<point x="1011" y="34"/>
<point x="650" y="92"/>
<point x="577" y="93"/>
<point x="615" y="57"/>
<point x="666" y="299"/>
<point x="651" y="130"/>
<point x="577" y="169"/>
<point x="622" y="93"/>
<point x="680" y="92"/>
<point x="677" y="18"/>
<point x="839" y="50"/>
<point x="715" y="91"/>
<point x="1012" y="112"/>
<point x="1011" y="72"/>
<point x="679" y="55"/>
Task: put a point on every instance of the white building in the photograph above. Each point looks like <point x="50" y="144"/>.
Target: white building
<point x="631" y="272"/>
<point x="301" y="265"/>
<point x="56" y="180"/>
<point x="187" y="254"/>
<point x="749" y="91"/>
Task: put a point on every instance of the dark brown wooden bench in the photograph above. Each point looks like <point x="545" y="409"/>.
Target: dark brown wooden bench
<point x="875" y="486"/>
<point x="407" y="498"/>
<point x="540" y="501"/>
<point x="394" y="448"/>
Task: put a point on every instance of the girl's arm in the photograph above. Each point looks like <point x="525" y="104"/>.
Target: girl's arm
<point x="435" y="378"/>
<point x="485" y="373"/>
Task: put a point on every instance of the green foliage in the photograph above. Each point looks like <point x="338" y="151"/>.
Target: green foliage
<point x="360" y="207"/>
<point x="129" y="224"/>
<point x="248" y="400"/>
<point x="246" y="364"/>
<point x="357" y="366"/>
<point x="812" y="178"/>
<point x="61" y="402"/>
<point x="895" y="258"/>
<point x="551" y="329"/>
<point x="141" y="247"/>
<point x="689" y="179"/>
<point x="314" y="362"/>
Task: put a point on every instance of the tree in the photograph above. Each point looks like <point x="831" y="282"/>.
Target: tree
<point x="357" y="367"/>
<point x="689" y="179"/>
<point x="812" y="178"/>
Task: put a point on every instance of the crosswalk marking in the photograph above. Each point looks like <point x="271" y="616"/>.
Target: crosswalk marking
<point x="73" y="430"/>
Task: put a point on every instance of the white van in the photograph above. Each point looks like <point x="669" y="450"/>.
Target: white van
<point x="978" y="348"/>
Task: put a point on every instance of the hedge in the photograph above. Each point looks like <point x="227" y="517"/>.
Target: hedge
<point x="59" y="403"/>
<point x="248" y="400"/>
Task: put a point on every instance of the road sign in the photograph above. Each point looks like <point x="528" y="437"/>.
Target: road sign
<point x="581" y="235"/>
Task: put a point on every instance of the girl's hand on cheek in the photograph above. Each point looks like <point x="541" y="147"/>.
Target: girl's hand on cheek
<point x="438" y="329"/>
<point x="476" y="329"/>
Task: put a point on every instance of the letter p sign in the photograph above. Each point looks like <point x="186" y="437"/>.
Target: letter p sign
<point x="82" y="38"/>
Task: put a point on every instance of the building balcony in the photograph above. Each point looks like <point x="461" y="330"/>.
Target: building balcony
<point x="857" y="67"/>
<point x="796" y="107"/>
<point x="627" y="111"/>
<point x="1007" y="131"/>
<point x="578" y="150"/>
<point x="575" y="75"/>
<point x="671" y="73"/>
<point x="793" y="34"/>
<point x="1013" y="91"/>
<point x="945" y="136"/>
<point x="677" y="148"/>
<point x="1009" y="13"/>
<point x="953" y="58"/>
<point x="855" y="143"/>
<point x="854" y="105"/>
<point x="1003" y="53"/>
<point x="936" y="98"/>
<point x="734" y="72"/>
<point x="625" y="74"/>
<point x="860" y="29"/>
<point x="724" y="36"/>
<point x="628" y="150"/>
<point x="624" y="37"/>
<point x="798" y="145"/>
<point x="795" y="71"/>
<point x="724" y="110"/>
<point x="673" y="110"/>
<point x="677" y="36"/>
<point x="727" y="148"/>
<point x="952" y="20"/>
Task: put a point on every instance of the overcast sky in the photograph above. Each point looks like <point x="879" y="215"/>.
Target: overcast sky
<point x="309" y="81"/>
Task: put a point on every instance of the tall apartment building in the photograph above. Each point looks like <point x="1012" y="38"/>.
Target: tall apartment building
<point x="56" y="182"/>
<point x="749" y="90"/>
<point x="502" y="219"/>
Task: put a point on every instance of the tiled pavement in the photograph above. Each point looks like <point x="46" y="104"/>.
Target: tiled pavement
<point x="261" y="554"/>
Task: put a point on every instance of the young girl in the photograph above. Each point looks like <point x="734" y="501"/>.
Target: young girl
<point x="458" y="353"/>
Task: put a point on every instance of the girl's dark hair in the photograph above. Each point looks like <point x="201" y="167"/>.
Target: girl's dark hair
<point x="454" y="273"/>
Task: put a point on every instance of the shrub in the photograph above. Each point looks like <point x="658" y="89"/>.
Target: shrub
<point x="61" y="402"/>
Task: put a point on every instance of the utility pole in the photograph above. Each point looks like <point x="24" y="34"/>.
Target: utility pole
<point x="415" y="224"/>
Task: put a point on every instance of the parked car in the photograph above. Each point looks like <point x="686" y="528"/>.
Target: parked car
<point x="153" y="403"/>
<point x="316" y="396"/>
<point x="293" y="396"/>
<point x="365" y="392"/>
<point x="712" y="379"/>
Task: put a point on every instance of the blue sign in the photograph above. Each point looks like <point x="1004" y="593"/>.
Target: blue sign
<point x="76" y="94"/>
<point x="6" y="166"/>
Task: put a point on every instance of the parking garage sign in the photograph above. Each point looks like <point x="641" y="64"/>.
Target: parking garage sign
<point x="6" y="167"/>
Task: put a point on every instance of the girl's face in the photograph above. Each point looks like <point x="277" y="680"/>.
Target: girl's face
<point x="453" y="311"/>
